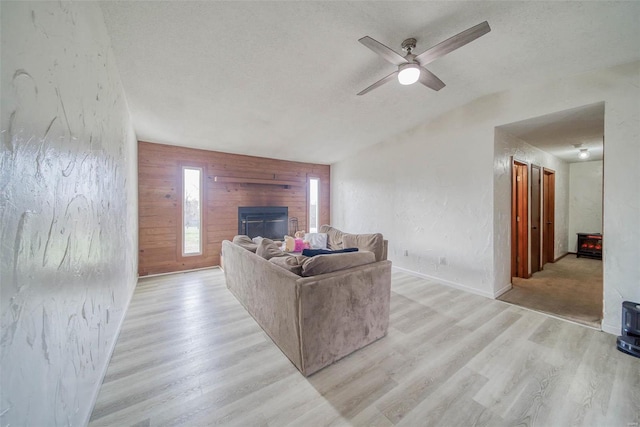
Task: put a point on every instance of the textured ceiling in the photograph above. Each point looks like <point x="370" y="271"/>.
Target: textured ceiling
<point x="279" y="79"/>
<point x="559" y="132"/>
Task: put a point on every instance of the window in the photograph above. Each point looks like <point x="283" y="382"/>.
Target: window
<point x="191" y="211"/>
<point x="314" y="197"/>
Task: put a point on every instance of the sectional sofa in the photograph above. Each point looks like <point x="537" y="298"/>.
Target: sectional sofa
<point x="315" y="319"/>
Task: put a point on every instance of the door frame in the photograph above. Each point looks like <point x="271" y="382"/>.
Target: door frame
<point x="519" y="218"/>
<point x="538" y="231"/>
<point x="549" y="209"/>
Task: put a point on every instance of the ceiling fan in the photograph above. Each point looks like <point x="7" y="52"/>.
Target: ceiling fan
<point x="411" y="67"/>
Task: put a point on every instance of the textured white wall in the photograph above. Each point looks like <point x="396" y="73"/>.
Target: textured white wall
<point x="585" y="200"/>
<point x="428" y="192"/>
<point x="436" y="190"/>
<point x="68" y="210"/>
<point x="507" y="145"/>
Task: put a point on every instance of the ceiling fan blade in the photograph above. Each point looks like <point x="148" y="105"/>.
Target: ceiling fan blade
<point x="430" y="80"/>
<point x="382" y="50"/>
<point x="379" y="83"/>
<point x="453" y="43"/>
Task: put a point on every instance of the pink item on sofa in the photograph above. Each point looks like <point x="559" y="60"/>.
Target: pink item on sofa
<point x="299" y="245"/>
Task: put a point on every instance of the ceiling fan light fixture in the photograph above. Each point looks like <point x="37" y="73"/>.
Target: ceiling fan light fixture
<point x="584" y="153"/>
<point x="408" y="74"/>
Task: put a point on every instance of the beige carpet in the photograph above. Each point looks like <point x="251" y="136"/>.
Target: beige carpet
<point x="570" y="288"/>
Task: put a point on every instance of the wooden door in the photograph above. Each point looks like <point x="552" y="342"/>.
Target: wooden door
<point x="519" y="220"/>
<point x="536" y="230"/>
<point x="549" y="209"/>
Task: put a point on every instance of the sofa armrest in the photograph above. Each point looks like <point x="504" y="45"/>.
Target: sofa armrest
<point x="268" y="292"/>
<point x="341" y="312"/>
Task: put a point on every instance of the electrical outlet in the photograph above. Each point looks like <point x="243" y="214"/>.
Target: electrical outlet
<point x="442" y="260"/>
<point x="406" y="252"/>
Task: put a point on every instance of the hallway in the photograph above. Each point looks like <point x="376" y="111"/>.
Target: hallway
<point x="570" y="288"/>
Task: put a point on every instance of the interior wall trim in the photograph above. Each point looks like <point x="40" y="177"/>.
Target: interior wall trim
<point x="107" y="360"/>
<point x="611" y="329"/>
<point x="211" y="267"/>
<point x="562" y="256"/>
<point x="506" y="288"/>
<point x="445" y="282"/>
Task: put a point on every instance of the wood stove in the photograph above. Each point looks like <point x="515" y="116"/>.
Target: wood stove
<point x="264" y="221"/>
<point x="589" y="245"/>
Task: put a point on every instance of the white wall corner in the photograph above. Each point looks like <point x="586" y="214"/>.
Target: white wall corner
<point x="611" y="329"/>
<point x="502" y="290"/>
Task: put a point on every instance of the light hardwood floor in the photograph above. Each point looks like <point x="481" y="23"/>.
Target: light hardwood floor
<point x="190" y="355"/>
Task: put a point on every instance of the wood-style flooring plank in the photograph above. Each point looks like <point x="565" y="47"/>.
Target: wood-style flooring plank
<point x="190" y="355"/>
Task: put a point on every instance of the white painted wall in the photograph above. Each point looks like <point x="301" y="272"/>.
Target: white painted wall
<point x="506" y="146"/>
<point x="585" y="200"/>
<point x="438" y="189"/>
<point x="68" y="210"/>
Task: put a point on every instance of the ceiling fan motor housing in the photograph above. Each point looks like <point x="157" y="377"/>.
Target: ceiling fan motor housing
<point x="408" y="45"/>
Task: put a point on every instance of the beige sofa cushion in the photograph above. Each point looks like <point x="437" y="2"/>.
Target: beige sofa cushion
<point x="267" y="249"/>
<point x="245" y="242"/>
<point x="290" y="263"/>
<point x="322" y="264"/>
<point x="365" y="242"/>
<point x="334" y="237"/>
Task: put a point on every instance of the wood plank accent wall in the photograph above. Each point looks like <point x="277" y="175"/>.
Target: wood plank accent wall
<point x="159" y="192"/>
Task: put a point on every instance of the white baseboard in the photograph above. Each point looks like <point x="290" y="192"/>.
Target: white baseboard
<point x="105" y="365"/>
<point x="444" y="282"/>
<point x="611" y="329"/>
<point x="179" y="272"/>
<point x="501" y="291"/>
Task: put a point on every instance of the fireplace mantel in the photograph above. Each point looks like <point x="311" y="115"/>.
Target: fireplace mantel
<point x="236" y="180"/>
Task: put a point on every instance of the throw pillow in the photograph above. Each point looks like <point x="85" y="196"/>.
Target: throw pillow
<point x="323" y="264"/>
<point x="365" y="242"/>
<point x="267" y="249"/>
<point x="314" y="252"/>
<point x="334" y="237"/>
<point x="245" y="242"/>
<point x="317" y="240"/>
<point x="290" y="263"/>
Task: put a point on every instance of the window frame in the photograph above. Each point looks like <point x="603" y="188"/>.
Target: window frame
<point x="309" y="179"/>
<point x="181" y="214"/>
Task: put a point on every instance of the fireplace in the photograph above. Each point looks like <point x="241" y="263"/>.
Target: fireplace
<point x="265" y="221"/>
<point x="589" y="245"/>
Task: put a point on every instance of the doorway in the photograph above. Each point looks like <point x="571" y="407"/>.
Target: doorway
<point x="536" y="230"/>
<point x="519" y="219"/>
<point x="549" y="212"/>
<point x="560" y="157"/>
<point x="532" y="248"/>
